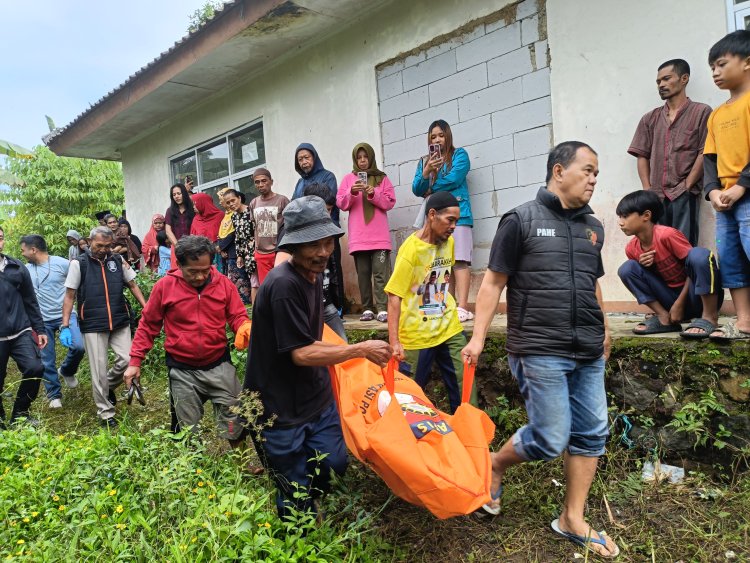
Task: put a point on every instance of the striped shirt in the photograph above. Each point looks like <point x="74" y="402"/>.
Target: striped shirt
<point x="672" y="148"/>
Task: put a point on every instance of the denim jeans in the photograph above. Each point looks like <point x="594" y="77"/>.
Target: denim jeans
<point x="292" y="453"/>
<point x="733" y="244"/>
<point x="69" y="366"/>
<point x="566" y="405"/>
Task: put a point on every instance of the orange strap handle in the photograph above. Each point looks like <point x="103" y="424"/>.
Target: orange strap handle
<point x="469" y="370"/>
<point x="388" y="375"/>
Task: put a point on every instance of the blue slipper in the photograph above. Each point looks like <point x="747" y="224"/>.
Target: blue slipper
<point x="495" y="496"/>
<point x="584" y="541"/>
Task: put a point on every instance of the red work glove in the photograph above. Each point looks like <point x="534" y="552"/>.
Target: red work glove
<point x="242" y="337"/>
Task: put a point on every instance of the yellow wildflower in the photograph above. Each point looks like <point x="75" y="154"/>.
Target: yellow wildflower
<point x="121" y="526"/>
<point x="61" y="507"/>
<point x="119" y="509"/>
<point x="113" y="492"/>
<point x="198" y="471"/>
<point x="34" y="514"/>
<point x="211" y="496"/>
<point x="103" y="516"/>
<point x="267" y="525"/>
<point x="55" y="498"/>
<point x="26" y="465"/>
<point x="227" y="513"/>
<point x="194" y="539"/>
<point x="20" y="542"/>
<point x="195" y="490"/>
<point x="200" y="483"/>
<point x="26" y="519"/>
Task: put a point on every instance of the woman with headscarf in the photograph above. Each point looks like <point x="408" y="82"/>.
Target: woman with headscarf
<point x="127" y="245"/>
<point x="444" y="169"/>
<point x="207" y="218"/>
<point x="150" y="248"/>
<point x="368" y="201"/>
<point x="225" y="242"/>
<point x="179" y="216"/>
<point x="73" y="237"/>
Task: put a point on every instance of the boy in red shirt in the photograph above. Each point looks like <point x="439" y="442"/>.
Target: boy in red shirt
<point x="666" y="273"/>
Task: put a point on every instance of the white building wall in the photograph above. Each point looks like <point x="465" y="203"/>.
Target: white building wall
<point x="604" y="56"/>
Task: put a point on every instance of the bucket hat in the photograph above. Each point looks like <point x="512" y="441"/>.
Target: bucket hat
<point x="306" y="219"/>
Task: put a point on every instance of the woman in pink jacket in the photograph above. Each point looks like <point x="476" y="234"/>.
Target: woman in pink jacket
<point x="369" y="235"/>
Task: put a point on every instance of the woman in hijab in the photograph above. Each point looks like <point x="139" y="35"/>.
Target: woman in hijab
<point x="127" y="245"/>
<point x="150" y="248"/>
<point x="208" y="217"/>
<point x="225" y="242"/>
<point x="367" y="194"/>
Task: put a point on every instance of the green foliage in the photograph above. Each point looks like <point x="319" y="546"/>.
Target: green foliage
<point x="148" y="497"/>
<point x="203" y="14"/>
<point x="695" y="417"/>
<point x="59" y="194"/>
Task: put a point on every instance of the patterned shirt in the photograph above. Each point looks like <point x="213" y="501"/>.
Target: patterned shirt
<point x="672" y="148"/>
<point x="244" y="239"/>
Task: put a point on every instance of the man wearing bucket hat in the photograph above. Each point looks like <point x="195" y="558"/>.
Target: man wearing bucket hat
<point x="287" y="361"/>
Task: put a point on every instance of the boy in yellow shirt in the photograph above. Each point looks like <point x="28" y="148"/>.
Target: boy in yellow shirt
<point x="423" y="323"/>
<point x="726" y="167"/>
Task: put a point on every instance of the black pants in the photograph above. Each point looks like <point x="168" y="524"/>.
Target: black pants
<point x="683" y="214"/>
<point x="27" y="356"/>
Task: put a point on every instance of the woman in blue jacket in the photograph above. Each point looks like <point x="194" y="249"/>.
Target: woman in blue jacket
<point x="445" y="171"/>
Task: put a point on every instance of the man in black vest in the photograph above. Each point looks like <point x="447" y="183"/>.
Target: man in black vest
<point x="20" y="316"/>
<point x="96" y="281"/>
<point x="547" y="252"/>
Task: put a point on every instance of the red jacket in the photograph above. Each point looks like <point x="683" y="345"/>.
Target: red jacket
<point x="194" y="324"/>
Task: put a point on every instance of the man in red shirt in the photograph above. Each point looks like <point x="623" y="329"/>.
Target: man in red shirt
<point x="668" y="144"/>
<point x="195" y="303"/>
<point x="666" y="273"/>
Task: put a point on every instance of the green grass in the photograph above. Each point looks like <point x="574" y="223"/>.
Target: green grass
<point x="167" y="515"/>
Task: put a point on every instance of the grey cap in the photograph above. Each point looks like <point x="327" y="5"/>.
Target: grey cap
<point x="306" y="219"/>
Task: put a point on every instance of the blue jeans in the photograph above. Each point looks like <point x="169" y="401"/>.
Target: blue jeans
<point x="69" y="366"/>
<point x="566" y="405"/>
<point x="733" y="244"/>
<point x="290" y="455"/>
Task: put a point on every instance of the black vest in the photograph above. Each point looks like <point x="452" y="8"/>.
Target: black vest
<point x="552" y="306"/>
<point x="102" y="305"/>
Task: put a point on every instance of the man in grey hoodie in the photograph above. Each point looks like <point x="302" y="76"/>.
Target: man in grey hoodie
<point x="73" y="238"/>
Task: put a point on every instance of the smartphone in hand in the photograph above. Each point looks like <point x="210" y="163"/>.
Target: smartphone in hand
<point x="362" y="177"/>
<point x="435" y="152"/>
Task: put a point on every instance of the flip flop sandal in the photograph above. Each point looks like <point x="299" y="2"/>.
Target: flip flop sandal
<point x="135" y="390"/>
<point x="491" y="510"/>
<point x="584" y="541"/>
<point x="706" y="326"/>
<point x="730" y="332"/>
<point x="652" y="325"/>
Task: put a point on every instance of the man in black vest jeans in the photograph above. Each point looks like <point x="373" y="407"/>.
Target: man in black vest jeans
<point x="547" y="252"/>
<point x="96" y="281"/>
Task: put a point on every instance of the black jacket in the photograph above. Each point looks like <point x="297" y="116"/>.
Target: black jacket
<point x="102" y="306"/>
<point x="19" y="308"/>
<point x="552" y="305"/>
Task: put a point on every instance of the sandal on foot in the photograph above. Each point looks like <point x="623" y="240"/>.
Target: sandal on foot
<point x="367" y="316"/>
<point x="492" y="510"/>
<point x="382" y="317"/>
<point x="464" y="315"/>
<point x="706" y="327"/>
<point x="653" y="325"/>
<point x="586" y="542"/>
<point x="729" y="332"/>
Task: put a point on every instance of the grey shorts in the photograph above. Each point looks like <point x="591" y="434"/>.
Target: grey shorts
<point x="192" y="388"/>
<point x="463" y="242"/>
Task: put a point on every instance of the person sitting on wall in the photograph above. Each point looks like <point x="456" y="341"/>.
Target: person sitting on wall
<point x="665" y="273"/>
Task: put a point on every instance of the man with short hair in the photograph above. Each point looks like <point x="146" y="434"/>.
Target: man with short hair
<point x="48" y="274"/>
<point x="287" y="362"/>
<point x="423" y="325"/>
<point x="267" y="210"/>
<point x="96" y="281"/>
<point x="668" y="144"/>
<point x="20" y="317"/>
<point x="198" y="361"/>
<point x="547" y="252"/>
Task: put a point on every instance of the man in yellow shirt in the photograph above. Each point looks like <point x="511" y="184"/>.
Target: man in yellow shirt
<point x="726" y="167"/>
<point x="423" y="324"/>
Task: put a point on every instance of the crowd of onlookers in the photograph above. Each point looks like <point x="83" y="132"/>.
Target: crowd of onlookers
<point x="284" y="257"/>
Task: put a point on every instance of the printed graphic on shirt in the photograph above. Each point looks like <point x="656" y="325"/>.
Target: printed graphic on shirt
<point x="266" y="224"/>
<point x="435" y="289"/>
<point x="326" y="284"/>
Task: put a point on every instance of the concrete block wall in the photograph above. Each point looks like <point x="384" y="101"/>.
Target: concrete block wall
<point x="491" y="84"/>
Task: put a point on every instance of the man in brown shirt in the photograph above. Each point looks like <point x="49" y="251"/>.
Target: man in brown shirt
<point x="267" y="211"/>
<point x="668" y="144"/>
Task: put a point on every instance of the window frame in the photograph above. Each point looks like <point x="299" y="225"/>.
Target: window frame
<point x="227" y="137"/>
<point x="733" y="10"/>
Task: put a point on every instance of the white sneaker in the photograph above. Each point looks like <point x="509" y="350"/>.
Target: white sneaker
<point x="70" y="380"/>
<point x="55" y="404"/>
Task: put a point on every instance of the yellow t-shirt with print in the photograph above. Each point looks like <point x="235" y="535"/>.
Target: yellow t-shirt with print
<point x="728" y="138"/>
<point x="422" y="278"/>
